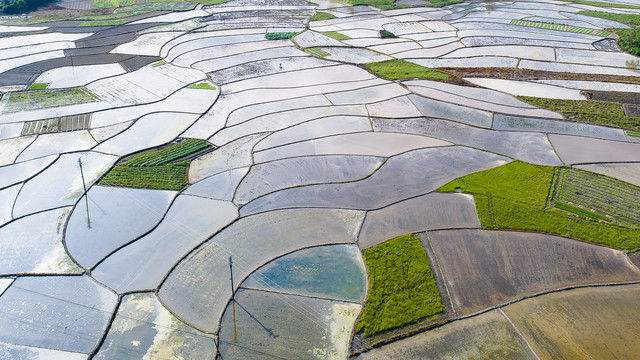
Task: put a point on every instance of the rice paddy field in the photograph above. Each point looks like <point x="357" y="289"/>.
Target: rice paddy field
<point x="375" y="179"/>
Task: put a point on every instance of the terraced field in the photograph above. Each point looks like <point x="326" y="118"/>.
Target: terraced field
<point x="243" y="180"/>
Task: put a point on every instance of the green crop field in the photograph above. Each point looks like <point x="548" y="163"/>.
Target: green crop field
<point x="280" y="36"/>
<point x="629" y="38"/>
<point x="603" y="4"/>
<point x="38" y="86"/>
<point x="317" y="52"/>
<point x="319" y="16"/>
<point x="604" y="197"/>
<point x="166" y="177"/>
<point x="167" y="154"/>
<point x="202" y="85"/>
<point x="397" y="69"/>
<point x="560" y="27"/>
<point x="588" y="111"/>
<point x="33" y="100"/>
<point x="390" y="4"/>
<point x="156" y="169"/>
<point x="629" y="19"/>
<point x="102" y="23"/>
<point x="336" y="35"/>
<point x="515" y="196"/>
<point x="102" y="4"/>
<point x="633" y="133"/>
<point x="402" y="289"/>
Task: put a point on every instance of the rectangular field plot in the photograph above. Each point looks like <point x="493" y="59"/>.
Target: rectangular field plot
<point x="486" y="336"/>
<point x="276" y="326"/>
<point x="604" y="196"/>
<point x="484" y="268"/>
<point x="628" y="172"/>
<point x="334" y="272"/>
<point x="143" y="328"/>
<point x="61" y="124"/>
<point x="39" y="99"/>
<point x="593" y="323"/>
<point x="559" y="27"/>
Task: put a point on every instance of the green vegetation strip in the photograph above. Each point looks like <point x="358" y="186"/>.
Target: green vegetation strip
<point x="629" y="19"/>
<point x="317" y="52"/>
<point x="579" y="211"/>
<point x="587" y="111"/>
<point x="633" y="133"/>
<point x="102" y="23"/>
<point x="165" y="177"/>
<point x="402" y="289"/>
<point x="202" y="85"/>
<point x="280" y="36"/>
<point x="604" y="195"/>
<point x="38" y="86"/>
<point x="559" y="27"/>
<point x="156" y="169"/>
<point x="167" y="154"/>
<point x="514" y="196"/>
<point x="319" y="16"/>
<point x="336" y="35"/>
<point x="102" y="4"/>
<point x="158" y="63"/>
<point x="397" y="69"/>
<point x="390" y="4"/>
<point x="603" y="4"/>
<point x="629" y="38"/>
<point x="33" y="100"/>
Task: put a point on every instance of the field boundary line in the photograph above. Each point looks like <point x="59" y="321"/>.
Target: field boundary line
<point x="444" y="281"/>
<point x="519" y="333"/>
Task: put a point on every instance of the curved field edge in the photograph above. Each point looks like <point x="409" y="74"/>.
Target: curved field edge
<point x="402" y="287"/>
<point x="588" y="111"/>
<point x="164" y="168"/>
<point x="518" y="196"/>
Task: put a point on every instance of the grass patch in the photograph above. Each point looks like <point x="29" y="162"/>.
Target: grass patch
<point x="203" y="85"/>
<point x="319" y="16"/>
<point x="158" y="63"/>
<point x="630" y="42"/>
<point x="629" y="38"/>
<point x="603" y="4"/>
<point x="317" y="52"/>
<point x="629" y="19"/>
<point x="168" y="154"/>
<point x="560" y="27"/>
<point x="515" y="196"/>
<point x="398" y="69"/>
<point x="165" y="177"/>
<point x="604" y="197"/>
<point x="38" y="86"/>
<point x="633" y="133"/>
<point x="402" y="289"/>
<point x="103" y="4"/>
<point x="33" y="100"/>
<point x="280" y="36"/>
<point x="156" y="169"/>
<point x="212" y="2"/>
<point x="579" y="211"/>
<point x="526" y="74"/>
<point x="390" y="4"/>
<point x="336" y="35"/>
<point x="102" y="23"/>
<point x="586" y="111"/>
<point x="384" y="34"/>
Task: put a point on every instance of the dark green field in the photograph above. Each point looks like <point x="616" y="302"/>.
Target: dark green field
<point x="402" y="289"/>
<point x="516" y="196"/>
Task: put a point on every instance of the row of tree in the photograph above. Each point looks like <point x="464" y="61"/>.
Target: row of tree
<point x="20" y="6"/>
